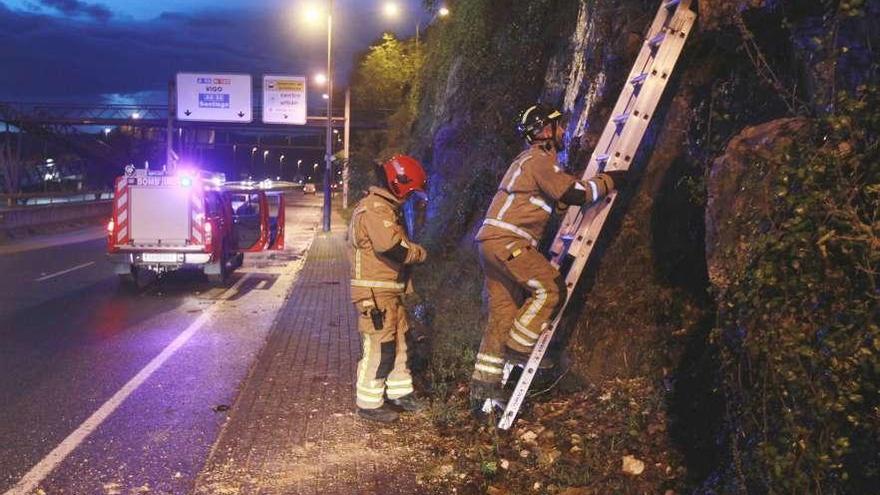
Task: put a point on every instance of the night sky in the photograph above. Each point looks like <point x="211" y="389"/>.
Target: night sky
<point x="126" y="51"/>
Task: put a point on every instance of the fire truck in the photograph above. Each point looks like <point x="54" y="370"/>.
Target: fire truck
<point x="188" y="219"/>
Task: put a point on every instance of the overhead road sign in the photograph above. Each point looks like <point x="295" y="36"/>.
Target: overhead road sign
<point x="214" y="97"/>
<point x="284" y="100"/>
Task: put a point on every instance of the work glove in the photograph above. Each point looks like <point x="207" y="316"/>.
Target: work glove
<point x="416" y="254"/>
<point x="614" y="180"/>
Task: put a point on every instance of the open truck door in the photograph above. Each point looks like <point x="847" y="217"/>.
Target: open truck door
<point x="275" y="202"/>
<point x="250" y="219"/>
<point x="258" y="214"/>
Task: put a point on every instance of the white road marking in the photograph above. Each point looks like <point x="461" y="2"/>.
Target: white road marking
<point x="38" y="473"/>
<point x="62" y="272"/>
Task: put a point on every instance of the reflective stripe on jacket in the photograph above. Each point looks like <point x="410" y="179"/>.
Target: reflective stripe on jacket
<point x="526" y="196"/>
<point x="376" y="229"/>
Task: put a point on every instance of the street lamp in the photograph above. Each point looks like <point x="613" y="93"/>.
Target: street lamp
<point x="391" y="9"/>
<point x="313" y="15"/>
<point x="320" y="79"/>
<point x="443" y="12"/>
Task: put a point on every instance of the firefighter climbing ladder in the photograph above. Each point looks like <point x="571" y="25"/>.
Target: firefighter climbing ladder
<point x="616" y="150"/>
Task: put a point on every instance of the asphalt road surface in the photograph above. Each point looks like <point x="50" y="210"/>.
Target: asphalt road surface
<point x="108" y="391"/>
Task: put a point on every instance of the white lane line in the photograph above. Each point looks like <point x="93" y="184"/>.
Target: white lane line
<point x="62" y="272"/>
<point x="38" y="473"/>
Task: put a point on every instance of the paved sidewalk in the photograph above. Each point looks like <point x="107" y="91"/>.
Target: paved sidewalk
<point x="293" y="428"/>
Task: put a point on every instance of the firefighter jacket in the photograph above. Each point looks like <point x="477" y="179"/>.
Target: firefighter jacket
<point x="379" y="248"/>
<point x="532" y="185"/>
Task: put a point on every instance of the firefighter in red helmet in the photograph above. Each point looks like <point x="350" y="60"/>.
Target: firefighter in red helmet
<point x="379" y="252"/>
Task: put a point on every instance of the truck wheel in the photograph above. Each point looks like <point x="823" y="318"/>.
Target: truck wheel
<point x="220" y="278"/>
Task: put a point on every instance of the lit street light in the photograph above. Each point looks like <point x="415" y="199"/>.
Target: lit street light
<point x="312" y="15"/>
<point x="391" y="9"/>
<point x="320" y="79"/>
<point x="443" y="12"/>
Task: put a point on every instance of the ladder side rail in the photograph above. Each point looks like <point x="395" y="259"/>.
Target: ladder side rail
<point x="655" y="85"/>
<point x="633" y="134"/>
<point x="645" y="60"/>
<point x="670" y="48"/>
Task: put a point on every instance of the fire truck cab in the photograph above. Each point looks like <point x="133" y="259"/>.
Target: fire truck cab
<point x="166" y="221"/>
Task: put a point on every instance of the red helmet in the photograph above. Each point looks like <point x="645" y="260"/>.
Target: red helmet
<point x="404" y="175"/>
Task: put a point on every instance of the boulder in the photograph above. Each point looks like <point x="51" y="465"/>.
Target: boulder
<point x="738" y="193"/>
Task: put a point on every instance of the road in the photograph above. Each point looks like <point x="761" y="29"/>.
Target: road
<point x="108" y="391"/>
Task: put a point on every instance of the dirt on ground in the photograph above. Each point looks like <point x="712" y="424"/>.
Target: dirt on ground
<point x="608" y="438"/>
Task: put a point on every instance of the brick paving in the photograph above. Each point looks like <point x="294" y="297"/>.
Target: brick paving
<point x="293" y="428"/>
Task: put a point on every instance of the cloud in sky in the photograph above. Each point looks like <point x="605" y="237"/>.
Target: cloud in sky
<point x="76" y="8"/>
<point x="83" y="57"/>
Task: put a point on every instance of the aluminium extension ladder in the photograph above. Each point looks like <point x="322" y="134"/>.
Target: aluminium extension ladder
<point x="616" y="150"/>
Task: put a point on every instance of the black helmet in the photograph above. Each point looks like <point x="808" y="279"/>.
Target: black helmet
<point x="533" y="119"/>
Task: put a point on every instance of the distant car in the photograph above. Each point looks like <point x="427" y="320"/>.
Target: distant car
<point x="310" y="188"/>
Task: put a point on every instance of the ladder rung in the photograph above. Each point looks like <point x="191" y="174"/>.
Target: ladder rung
<point x="620" y="119"/>
<point x="603" y="158"/>
<point x="567" y="237"/>
<point x="639" y="79"/>
<point x="671" y="4"/>
<point x="657" y="39"/>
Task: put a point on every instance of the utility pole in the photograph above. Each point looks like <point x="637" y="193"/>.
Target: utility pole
<point x="346" y="135"/>
<point x="328" y="153"/>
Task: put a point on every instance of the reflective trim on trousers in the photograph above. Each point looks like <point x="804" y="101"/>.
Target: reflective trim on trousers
<point x="521" y="340"/>
<point x="485" y="368"/>
<point x="511" y="228"/>
<point x="398" y="383"/>
<point x="525" y="331"/>
<point x="538" y="301"/>
<point x="378" y="284"/>
<point x="489" y="359"/>
<point x="372" y="400"/>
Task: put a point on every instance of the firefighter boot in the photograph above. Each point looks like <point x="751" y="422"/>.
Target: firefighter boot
<point x="407" y="403"/>
<point x="382" y="414"/>
<point x="487" y="400"/>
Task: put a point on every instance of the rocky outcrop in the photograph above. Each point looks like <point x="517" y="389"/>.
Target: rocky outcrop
<point x="738" y="195"/>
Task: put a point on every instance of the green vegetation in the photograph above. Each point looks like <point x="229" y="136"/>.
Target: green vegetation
<point x="799" y="326"/>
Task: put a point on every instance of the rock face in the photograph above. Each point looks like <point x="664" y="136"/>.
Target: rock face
<point x="737" y="197"/>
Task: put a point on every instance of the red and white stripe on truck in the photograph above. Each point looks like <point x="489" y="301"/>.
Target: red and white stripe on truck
<point x="118" y="229"/>
<point x="199" y="228"/>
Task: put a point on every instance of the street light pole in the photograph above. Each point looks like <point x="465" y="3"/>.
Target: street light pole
<point x="328" y="153"/>
<point x="346" y="157"/>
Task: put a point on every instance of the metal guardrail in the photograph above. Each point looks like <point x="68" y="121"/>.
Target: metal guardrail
<point x="52" y="198"/>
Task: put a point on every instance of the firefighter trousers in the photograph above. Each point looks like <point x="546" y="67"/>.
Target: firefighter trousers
<point x="382" y="371"/>
<point x="525" y="293"/>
